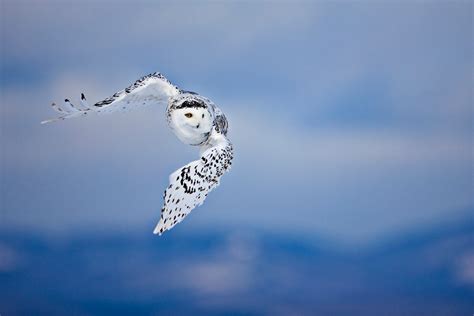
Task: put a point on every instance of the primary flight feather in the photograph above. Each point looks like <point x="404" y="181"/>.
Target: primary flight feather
<point x="194" y="119"/>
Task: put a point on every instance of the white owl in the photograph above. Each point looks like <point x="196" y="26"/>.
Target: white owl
<point x="194" y="119"/>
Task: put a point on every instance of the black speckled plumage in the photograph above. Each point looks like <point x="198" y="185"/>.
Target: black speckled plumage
<point x="189" y="185"/>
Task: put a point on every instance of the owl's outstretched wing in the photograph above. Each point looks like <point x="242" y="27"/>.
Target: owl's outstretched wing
<point x="151" y="89"/>
<point x="190" y="185"/>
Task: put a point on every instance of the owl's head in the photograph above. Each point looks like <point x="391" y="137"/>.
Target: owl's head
<point x="191" y="121"/>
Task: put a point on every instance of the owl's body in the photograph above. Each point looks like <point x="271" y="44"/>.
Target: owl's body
<point x="194" y="119"/>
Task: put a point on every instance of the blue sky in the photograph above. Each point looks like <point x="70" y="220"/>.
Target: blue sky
<point x="351" y="121"/>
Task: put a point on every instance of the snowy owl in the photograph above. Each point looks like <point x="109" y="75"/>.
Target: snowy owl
<point x="194" y="119"/>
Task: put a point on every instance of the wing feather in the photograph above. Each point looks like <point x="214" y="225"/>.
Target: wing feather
<point x="190" y="185"/>
<point x="150" y="89"/>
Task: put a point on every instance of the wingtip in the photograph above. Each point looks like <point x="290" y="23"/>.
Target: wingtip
<point x="49" y="121"/>
<point x="158" y="231"/>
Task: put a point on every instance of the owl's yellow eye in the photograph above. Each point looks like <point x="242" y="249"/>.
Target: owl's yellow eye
<point x="188" y="115"/>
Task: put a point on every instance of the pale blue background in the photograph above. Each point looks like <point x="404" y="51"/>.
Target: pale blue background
<point x="352" y="124"/>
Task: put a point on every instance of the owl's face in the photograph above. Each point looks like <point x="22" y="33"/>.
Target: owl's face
<point x="191" y="125"/>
